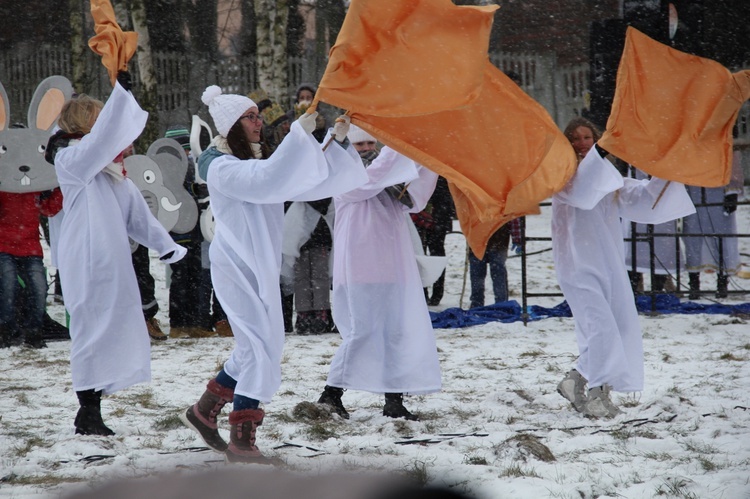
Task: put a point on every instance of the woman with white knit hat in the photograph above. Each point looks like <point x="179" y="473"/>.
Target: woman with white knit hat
<point x="248" y="189"/>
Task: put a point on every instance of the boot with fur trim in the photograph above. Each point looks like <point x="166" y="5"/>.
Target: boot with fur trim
<point x="242" y="448"/>
<point x="201" y="417"/>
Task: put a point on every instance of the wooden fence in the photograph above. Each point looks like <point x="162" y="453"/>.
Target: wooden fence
<point x="561" y="90"/>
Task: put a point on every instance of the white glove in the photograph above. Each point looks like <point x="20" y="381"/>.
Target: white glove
<point x="341" y="128"/>
<point x="307" y="121"/>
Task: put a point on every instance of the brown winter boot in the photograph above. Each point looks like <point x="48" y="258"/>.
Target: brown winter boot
<point x="242" y="448"/>
<point x="201" y="417"/>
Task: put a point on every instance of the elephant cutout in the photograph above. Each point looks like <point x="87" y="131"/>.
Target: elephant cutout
<point x="22" y="164"/>
<point x="160" y="175"/>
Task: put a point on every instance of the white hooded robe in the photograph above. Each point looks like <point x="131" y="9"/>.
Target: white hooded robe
<point x="247" y="199"/>
<point x="589" y="260"/>
<point x="110" y="347"/>
<point x="378" y="301"/>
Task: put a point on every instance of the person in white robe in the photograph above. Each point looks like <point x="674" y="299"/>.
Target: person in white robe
<point x="705" y="249"/>
<point x="589" y="258"/>
<point x="248" y="190"/>
<point x="378" y="301"/>
<point x="110" y="347"/>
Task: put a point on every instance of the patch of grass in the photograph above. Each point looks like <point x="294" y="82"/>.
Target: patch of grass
<point x="707" y="464"/>
<point x="676" y="487"/>
<point x="417" y="472"/>
<point x="402" y="428"/>
<point x="319" y="432"/>
<point x="515" y="470"/>
<point x="512" y="418"/>
<point x="145" y="399"/>
<point x="464" y="414"/>
<point x="29" y="444"/>
<point x="730" y="356"/>
<point x="621" y="434"/>
<point x="22" y="398"/>
<point x="476" y="460"/>
<point x="746" y="346"/>
<point x="658" y="456"/>
<point x="700" y="447"/>
<point x="168" y="422"/>
<point x="522" y="393"/>
<point x="532" y="353"/>
<point x="647" y="434"/>
<point x="45" y="480"/>
<point x="665" y="357"/>
<point x="17" y="388"/>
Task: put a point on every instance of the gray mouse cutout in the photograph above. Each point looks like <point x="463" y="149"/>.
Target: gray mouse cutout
<point x="159" y="175"/>
<point x="22" y="164"/>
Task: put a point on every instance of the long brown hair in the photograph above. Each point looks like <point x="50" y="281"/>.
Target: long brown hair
<point x="240" y="145"/>
<point x="579" y="121"/>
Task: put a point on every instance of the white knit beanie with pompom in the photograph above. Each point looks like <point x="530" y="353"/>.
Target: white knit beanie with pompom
<point x="225" y="109"/>
<point x="357" y="134"/>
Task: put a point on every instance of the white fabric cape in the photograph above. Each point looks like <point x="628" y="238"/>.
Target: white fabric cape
<point x="110" y="348"/>
<point x="247" y="198"/>
<point x="665" y="248"/>
<point x="589" y="261"/>
<point x="378" y="302"/>
<point x="430" y="267"/>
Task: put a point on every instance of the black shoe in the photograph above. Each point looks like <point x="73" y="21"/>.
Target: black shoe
<point x="34" y="339"/>
<point x="394" y="407"/>
<point x="89" y="422"/>
<point x="433" y="302"/>
<point x="332" y="396"/>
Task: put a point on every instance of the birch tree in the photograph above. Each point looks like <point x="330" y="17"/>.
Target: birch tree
<point x="78" y="45"/>
<point x="271" y="57"/>
<point x="147" y="96"/>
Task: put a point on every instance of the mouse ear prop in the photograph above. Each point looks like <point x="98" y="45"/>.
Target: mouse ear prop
<point x="114" y="45"/>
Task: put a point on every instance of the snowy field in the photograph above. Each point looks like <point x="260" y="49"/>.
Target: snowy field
<point x="497" y="430"/>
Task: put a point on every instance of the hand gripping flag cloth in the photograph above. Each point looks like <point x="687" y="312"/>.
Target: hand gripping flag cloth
<point x="115" y="46"/>
<point x="416" y="75"/>
<point x="672" y="114"/>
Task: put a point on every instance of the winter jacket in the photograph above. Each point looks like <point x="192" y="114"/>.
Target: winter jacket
<point x="19" y="220"/>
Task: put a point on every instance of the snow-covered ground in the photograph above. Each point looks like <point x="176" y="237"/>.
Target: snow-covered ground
<point x="498" y="428"/>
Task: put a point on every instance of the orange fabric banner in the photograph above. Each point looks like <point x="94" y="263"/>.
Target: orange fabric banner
<point x="115" y="46"/>
<point x="407" y="57"/>
<point x="419" y="79"/>
<point x="673" y="113"/>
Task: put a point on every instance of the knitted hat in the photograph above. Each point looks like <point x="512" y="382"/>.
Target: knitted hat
<point x="357" y="134"/>
<point x="274" y="115"/>
<point x="225" y="109"/>
<point x="180" y="134"/>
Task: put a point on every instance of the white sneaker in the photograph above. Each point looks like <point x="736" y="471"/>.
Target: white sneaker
<point x="573" y="388"/>
<point x="599" y="405"/>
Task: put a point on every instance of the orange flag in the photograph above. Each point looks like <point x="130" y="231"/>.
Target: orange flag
<point x="673" y="113"/>
<point x="416" y="75"/>
<point x="115" y="46"/>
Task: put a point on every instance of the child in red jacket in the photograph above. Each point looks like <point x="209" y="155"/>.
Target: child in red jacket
<point x="21" y="256"/>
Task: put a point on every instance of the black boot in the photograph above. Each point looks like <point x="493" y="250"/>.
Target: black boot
<point x="33" y="338"/>
<point x="89" y="418"/>
<point x="394" y="407"/>
<point x="722" y="282"/>
<point x="695" y="285"/>
<point x="332" y="396"/>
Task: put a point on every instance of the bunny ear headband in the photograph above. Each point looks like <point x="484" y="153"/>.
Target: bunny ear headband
<point x="115" y="46"/>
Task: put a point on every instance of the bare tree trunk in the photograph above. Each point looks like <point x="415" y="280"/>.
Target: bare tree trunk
<point x="147" y="96"/>
<point x="78" y="46"/>
<point x="271" y="59"/>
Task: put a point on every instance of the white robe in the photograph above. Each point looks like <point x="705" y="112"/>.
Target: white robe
<point x="378" y="301"/>
<point x="589" y="260"/>
<point x="110" y="348"/>
<point x="247" y="198"/>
